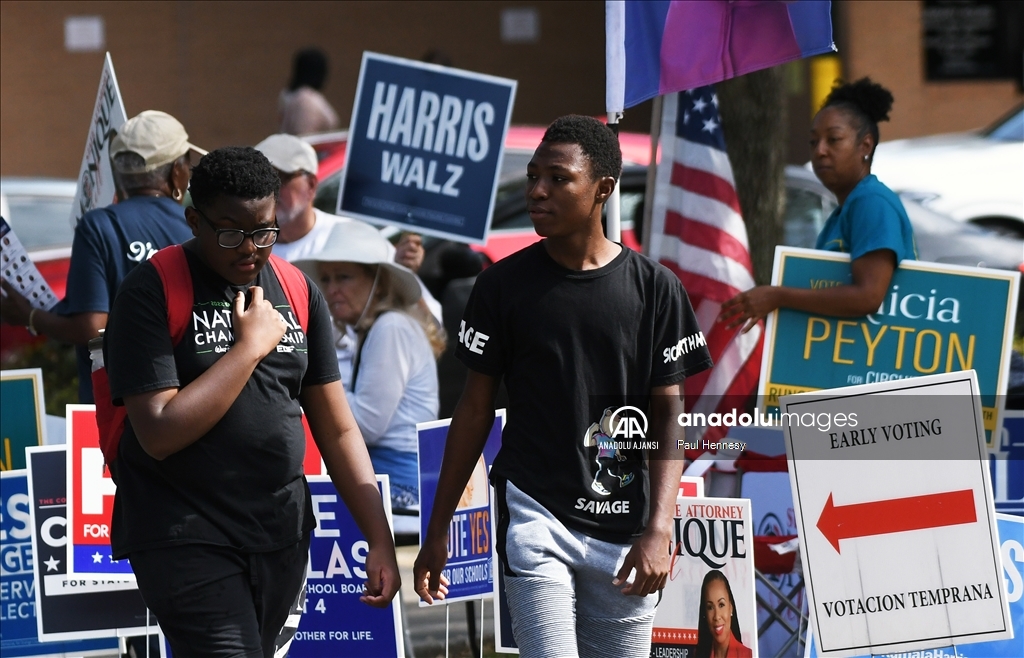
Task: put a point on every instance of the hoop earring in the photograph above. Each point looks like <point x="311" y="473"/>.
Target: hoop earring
<point x="177" y="195"/>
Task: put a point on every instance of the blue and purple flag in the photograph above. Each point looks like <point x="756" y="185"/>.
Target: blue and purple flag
<point x="659" y="47"/>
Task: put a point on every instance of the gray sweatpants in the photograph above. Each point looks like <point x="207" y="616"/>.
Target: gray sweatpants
<point x="561" y="598"/>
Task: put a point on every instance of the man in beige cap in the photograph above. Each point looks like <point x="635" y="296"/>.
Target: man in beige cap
<point x="150" y="160"/>
<point x="304" y="229"/>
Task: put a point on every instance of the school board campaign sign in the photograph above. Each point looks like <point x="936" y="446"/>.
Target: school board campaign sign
<point x="95" y="177"/>
<point x="712" y="555"/>
<point x="334" y="622"/>
<point x="18" y="631"/>
<point x="896" y="517"/>
<point x="425" y="147"/>
<point x="72" y="607"/>
<point x="470" y="536"/>
<point x="934" y="318"/>
<point x="1011" y="538"/>
<point x="21" y="415"/>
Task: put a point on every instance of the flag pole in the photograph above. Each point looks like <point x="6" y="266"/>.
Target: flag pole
<point x="613" y="228"/>
<point x="652" y="175"/>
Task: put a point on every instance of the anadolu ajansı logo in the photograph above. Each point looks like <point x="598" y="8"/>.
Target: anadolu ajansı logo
<point x="628" y="422"/>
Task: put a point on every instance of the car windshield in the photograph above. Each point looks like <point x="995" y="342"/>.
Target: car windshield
<point x="41" y="222"/>
<point x="1008" y="129"/>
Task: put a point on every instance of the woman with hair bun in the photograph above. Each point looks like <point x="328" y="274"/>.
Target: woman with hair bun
<point x="870" y="223"/>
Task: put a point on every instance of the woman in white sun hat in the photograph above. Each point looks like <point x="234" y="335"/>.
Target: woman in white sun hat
<point x="394" y="375"/>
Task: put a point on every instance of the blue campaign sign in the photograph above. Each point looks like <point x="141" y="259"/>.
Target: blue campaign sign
<point x="18" y="630"/>
<point x="470" y="539"/>
<point x="935" y="318"/>
<point x="425" y="147"/>
<point x="1008" y="464"/>
<point x="70" y="607"/>
<point x="1011" y="541"/>
<point x="334" y="622"/>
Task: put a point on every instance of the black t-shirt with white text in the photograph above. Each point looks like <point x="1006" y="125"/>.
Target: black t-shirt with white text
<point x="574" y="347"/>
<point x="241" y="484"/>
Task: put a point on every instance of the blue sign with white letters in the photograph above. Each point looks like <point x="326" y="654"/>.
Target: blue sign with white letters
<point x="334" y="622"/>
<point x="425" y="147"/>
<point x="18" y="630"/>
<point x="1011" y="542"/>
<point x="1007" y="464"/>
<point x="470" y="540"/>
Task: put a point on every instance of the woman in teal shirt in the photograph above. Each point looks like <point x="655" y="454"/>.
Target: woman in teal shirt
<point x="870" y="223"/>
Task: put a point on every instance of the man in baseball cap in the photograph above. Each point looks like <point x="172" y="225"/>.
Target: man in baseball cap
<point x="150" y="159"/>
<point x="304" y="229"/>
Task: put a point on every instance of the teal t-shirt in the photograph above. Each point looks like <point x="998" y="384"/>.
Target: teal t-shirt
<point x="872" y="218"/>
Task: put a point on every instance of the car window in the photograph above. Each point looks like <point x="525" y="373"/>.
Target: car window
<point x="1010" y="130"/>
<point x="804" y="217"/>
<point x="631" y="207"/>
<point x="326" y="198"/>
<point x="41" y="222"/>
<point x="513" y="165"/>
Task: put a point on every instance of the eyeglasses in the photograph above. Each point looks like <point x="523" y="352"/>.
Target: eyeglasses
<point x="230" y="238"/>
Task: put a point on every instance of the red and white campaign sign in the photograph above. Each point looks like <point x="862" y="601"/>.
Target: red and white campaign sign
<point x="896" y="517"/>
<point x="90" y="499"/>
<point x="91" y="495"/>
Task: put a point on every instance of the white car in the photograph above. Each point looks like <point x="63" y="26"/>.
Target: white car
<point x="972" y="177"/>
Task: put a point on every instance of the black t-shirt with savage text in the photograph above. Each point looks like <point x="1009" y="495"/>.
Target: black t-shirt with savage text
<point x="574" y="347"/>
<point x="240" y="485"/>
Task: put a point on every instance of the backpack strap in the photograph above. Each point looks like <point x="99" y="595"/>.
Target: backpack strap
<point x="172" y="266"/>
<point x="293" y="282"/>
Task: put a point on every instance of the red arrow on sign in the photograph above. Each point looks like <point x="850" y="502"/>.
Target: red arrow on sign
<point x="883" y="517"/>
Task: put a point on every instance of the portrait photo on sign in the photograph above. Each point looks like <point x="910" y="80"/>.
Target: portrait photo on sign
<point x="707" y="606"/>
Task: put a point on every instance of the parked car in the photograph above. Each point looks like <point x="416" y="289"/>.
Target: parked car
<point x="40" y="214"/>
<point x="973" y="177"/>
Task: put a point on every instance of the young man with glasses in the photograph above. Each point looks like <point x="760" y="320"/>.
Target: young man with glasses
<point x="212" y="507"/>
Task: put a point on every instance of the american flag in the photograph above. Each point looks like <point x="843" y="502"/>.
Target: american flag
<point x="697" y="232"/>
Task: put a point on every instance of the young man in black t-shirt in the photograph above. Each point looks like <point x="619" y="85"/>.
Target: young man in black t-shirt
<point x="593" y="341"/>
<point x="212" y="507"/>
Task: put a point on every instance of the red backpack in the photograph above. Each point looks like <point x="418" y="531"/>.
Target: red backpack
<point x="172" y="266"/>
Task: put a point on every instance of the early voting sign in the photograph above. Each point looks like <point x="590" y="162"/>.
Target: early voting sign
<point x="21" y="415"/>
<point x="72" y="607"/>
<point x="90" y="499"/>
<point x="470" y="535"/>
<point x="95" y="178"/>
<point x="1011" y="539"/>
<point x="425" y="147"/>
<point x="935" y="318"/>
<point x="896" y="518"/>
<point x="334" y="622"/>
<point x="18" y="632"/>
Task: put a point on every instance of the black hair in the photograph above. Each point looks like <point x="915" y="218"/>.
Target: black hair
<point x="704" y="649"/>
<point x="596" y="140"/>
<point x="309" y="69"/>
<point x="866" y="102"/>
<point x="238" y="171"/>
